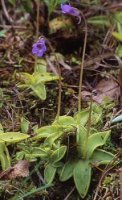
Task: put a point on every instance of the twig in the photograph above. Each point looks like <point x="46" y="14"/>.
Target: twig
<point x="66" y="198"/>
<point x="37" y="18"/>
<point x="6" y="12"/>
<point x="39" y="175"/>
<point x="120" y="176"/>
<point x="15" y="27"/>
<point x="51" y="65"/>
<point x="107" y="169"/>
<point x="91" y="61"/>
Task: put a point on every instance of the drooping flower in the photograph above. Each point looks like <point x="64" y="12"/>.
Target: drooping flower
<point x="39" y="47"/>
<point x="68" y="9"/>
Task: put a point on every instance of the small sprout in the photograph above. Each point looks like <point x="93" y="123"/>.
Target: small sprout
<point x="39" y="47"/>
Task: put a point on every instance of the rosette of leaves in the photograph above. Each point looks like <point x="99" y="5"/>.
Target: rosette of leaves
<point x="52" y="151"/>
<point x="88" y="152"/>
<point x="80" y="168"/>
<point x="36" y="81"/>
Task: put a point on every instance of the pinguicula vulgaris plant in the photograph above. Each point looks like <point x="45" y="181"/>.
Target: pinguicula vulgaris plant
<point x="36" y="81"/>
<point x="51" y="148"/>
<point x="82" y="126"/>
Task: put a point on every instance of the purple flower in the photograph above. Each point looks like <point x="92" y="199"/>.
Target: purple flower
<point x="39" y="47"/>
<point x="68" y="9"/>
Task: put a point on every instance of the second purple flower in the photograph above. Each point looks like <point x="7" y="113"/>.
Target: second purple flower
<point x="68" y="9"/>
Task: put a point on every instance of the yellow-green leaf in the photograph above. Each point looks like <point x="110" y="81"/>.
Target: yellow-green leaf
<point x="96" y="140"/>
<point x="102" y="157"/>
<point x="118" y="36"/>
<point x="39" y="90"/>
<point x="99" y="20"/>
<point x="67" y="170"/>
<point x="12" y="137"/>
<point x="82" y="177"/>
<point x="24" y="125"/>
<point x="58" y="154"/>
<point x="49" y="173"/>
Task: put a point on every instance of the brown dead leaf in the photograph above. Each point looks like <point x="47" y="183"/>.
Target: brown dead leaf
<point x="21" y="169"/>
<point x="106" y="88"/>
<point x="120" y="77"/>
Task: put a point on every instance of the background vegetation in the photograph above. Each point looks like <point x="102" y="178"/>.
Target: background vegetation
<point x="60" y="114"/>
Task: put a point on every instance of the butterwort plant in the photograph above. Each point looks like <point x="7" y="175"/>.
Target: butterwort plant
<point x="36" y="82"/>
<point x="79" y="165"/>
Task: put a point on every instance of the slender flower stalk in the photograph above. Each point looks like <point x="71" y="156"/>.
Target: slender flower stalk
<point x="37" y="25"/>
<point x="59" y="87"/>
<point x="82" y="66"/>
<point x="80" y="88"/>
<point x="88" y="130"/>
<point x="37" y="18"/>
